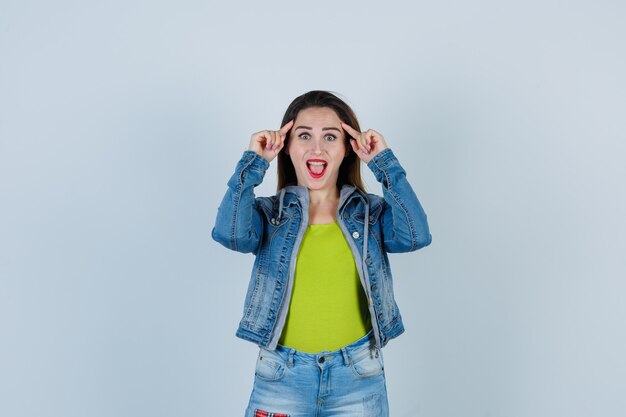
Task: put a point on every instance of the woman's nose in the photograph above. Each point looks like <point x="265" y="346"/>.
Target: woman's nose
<point x="316" y="145"/>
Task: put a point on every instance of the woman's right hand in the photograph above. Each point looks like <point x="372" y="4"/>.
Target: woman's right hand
<point x="268" y="143"/>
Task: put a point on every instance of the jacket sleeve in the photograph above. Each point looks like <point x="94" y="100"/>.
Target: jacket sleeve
<point x="404" y="223"/>
<point x="239" y="224"/>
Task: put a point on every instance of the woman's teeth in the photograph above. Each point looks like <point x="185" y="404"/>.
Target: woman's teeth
<point x="316" y="167"/>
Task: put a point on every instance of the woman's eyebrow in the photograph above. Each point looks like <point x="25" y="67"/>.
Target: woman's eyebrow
<point x="310" y="128"/>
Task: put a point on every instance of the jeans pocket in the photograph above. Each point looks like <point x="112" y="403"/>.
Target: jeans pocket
<point x="270" y="366"/>
<point x="368" y="365"/>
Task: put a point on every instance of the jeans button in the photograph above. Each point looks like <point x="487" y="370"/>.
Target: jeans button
<point x="321" y="360"/>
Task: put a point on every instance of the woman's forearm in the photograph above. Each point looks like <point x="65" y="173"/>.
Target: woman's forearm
<point x="405" y="226"/>
<point x="239" y="225"/>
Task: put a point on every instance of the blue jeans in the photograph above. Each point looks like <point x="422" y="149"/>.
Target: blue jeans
<point x="347" y="382"/>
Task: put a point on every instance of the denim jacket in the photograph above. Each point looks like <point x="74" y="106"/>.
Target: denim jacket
<point x="273" y="227"/>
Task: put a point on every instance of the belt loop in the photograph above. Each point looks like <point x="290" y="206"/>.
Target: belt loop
<point x="346" y="357"/>
<point x="292" y="352"/>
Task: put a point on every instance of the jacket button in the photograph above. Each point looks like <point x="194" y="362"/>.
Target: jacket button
<point x="374" y="287"/>
<point x="355" y="235"/>
<point x="368" y="261"/>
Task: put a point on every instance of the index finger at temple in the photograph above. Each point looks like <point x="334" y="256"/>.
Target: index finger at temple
<point x="283" y="130"/>
<point x="355" y="134"/>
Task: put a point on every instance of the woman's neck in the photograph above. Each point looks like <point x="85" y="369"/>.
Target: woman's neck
<point x="322" y="197"/>
<point x="323" y="206"/>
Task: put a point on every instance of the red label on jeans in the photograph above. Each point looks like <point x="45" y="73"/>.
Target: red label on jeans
<point x="261" y="413"/>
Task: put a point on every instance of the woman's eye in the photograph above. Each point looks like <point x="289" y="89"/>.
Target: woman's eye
<point x="304" y="136"/>
<point x="330" y="138"/>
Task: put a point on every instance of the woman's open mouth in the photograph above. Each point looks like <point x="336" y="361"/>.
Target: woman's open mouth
<point x="316" y="167"/>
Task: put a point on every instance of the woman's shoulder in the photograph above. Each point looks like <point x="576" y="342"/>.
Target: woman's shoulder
<point x="275" y="203"/>
<point x="350" y="191"/>
<point x="374" y="199"/>
<point x="266" y="201"/>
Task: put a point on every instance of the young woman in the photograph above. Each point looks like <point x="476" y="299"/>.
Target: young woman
<point x="320" y="302"/>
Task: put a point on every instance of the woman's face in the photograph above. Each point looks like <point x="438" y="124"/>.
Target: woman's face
<point x="317" y="147"/>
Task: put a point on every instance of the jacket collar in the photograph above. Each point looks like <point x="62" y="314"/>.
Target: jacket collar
<point x="300" y="195"/>
<point x="293" y="193"/>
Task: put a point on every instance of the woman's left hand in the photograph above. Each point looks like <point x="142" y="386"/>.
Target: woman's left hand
<point x="365" y="144"/>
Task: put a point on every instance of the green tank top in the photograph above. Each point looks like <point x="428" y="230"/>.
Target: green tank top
<point x="328" y="308"/>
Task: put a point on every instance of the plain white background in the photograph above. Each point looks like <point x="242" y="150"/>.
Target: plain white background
<point x="121" y="121"/>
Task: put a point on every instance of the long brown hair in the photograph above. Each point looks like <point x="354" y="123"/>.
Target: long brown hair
<point x="350" y="169"/>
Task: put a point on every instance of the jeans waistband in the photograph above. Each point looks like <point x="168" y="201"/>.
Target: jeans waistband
<point x="366" y="345"/>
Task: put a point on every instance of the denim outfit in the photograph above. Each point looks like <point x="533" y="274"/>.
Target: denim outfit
<point x="273" y="227"/>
